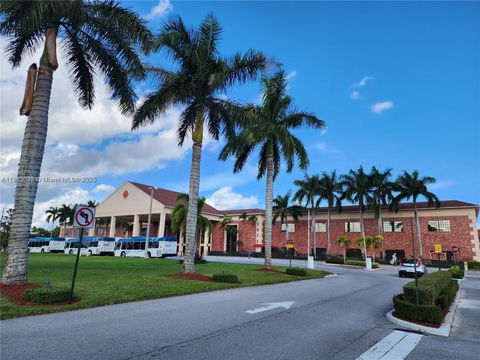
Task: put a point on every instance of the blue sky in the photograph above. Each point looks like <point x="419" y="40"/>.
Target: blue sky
<point x="397" y="84"/>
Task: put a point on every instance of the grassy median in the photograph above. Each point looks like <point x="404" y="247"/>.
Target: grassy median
<point x="112" y="280"/>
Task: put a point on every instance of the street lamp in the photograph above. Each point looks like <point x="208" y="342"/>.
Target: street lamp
<point x="145" y="255"/>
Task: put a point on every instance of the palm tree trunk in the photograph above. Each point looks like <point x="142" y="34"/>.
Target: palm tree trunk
<point x="268" y="212"/>
<point x="380" y="232"/>
<point x="15" y="270"/>
<point x="344" y="254"/>
<point x="419" y="237"/>
<point x="362" y="232"/>
<point x="329" y="239"/>
<point x="314" y="234"/>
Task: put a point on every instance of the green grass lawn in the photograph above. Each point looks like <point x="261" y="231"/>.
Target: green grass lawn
<point x="112" y="280"/>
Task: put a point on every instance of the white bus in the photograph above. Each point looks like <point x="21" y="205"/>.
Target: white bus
<point x="91" y="246"/>
<point x="157" y="247"/>
<point x="45" y="245"/>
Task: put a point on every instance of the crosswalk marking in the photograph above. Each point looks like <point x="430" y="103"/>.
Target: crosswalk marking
<point x="469" y="304"/>
<point x="395" y="346"/>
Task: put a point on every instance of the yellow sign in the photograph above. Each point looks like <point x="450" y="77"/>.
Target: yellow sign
<point x="289" y="244"/>
<point x="438" y="248"/>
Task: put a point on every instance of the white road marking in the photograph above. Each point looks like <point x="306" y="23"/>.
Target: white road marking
<point x="469" y="304"/>
<point x="270" y="306"/>
<point x="395" y="346"/>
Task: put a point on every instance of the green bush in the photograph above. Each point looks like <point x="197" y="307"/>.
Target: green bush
<point x="296" y="272"/>
<point x="46" y="295"/>
<point x="473" y="265"/>
<point x="334" y="261"/>
<point x="375" y="265"/>
<point x="447" y="295"/>
<point x="408" y="310"/>
<point x="226" y="278"/>
<point x="457" y="272"/>
<point x="429" y="287"/>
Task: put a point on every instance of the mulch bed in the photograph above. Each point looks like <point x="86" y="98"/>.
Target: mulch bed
<point x="264" y="269"/>
<point x="15" y="294"/>
<point x="423" y="323"/>
<point x="194" y="276"/>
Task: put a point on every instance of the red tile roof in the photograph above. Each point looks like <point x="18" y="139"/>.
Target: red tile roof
<point x="241" y="211"/>
<point x="169" y="198"/>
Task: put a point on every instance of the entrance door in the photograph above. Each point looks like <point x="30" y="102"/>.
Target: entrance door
<point x="231" y="238"/>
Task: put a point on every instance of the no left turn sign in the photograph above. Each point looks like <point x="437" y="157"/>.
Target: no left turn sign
<point x="84" y="216"/>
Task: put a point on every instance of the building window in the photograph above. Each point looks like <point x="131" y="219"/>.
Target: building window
<point x="393" y="226"/>
<point x="352" y="226"/>
<point x="100" y="231"/>
<point x="320" y="227"/>
<point x="439" y="226"/>
<point x="291" y="227"/>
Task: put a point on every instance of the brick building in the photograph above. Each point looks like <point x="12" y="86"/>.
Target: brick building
<point x="454" y="225"/>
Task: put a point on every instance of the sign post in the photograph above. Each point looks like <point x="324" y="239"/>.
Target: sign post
<point x="290" y="249"/>
<point x="83" y="219"/>
<point x="438" y="251"/>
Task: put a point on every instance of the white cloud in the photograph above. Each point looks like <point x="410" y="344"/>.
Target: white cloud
<point x="363" y="82"/>
<point x="355" y="95"/>
<point x="103" y="188"/>
<point x="381" y="106"/>
<point x="323" y="147"/>
<point x="291" y="75"/>
<point x="441" y="184"/>
<point x="225" y="198"/>
<point x="159" y="10"/>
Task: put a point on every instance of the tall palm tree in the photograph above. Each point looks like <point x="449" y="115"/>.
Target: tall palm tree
<point x="52" y="215"/>
<point x="283" y="210"/>
<point x="345" y="243"/>
<point x="356" y="189"/>
<point x="269" y="127"/>
<point x="413" y="186"/>
<point x="202" y="77"/>
<point x="97" y="37"/>
<point x="330" y="190"/>
<point x="65" y="216"/>
<point x="308" y="192"/>
<point x="381" y="194"/>
<point x="180" y="217"/>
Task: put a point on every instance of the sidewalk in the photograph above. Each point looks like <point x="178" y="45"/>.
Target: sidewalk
<point x="467" y="317"/>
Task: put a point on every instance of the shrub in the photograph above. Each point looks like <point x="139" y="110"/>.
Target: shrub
<point x="428" y="313"/>
<point x="296" y="272"/>
<point x="447" y="295"/>
<point x="361" y="263"/>
<point x="46" y="295"/>
<point x="226" y="278"/>
<point x="457" y="272"/>
<point x="429" y="287"/>
<point x="334" y="261"/>
<point x="473" y="265"/>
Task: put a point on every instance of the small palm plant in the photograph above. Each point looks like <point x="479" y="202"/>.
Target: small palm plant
<point x="345" y="243"/>
<point x="365" y="243"/>
<point x="375" y="243"/>
<point x="269" y="127"/>
<point x="283" y="210"/>
<point x="197" y="85"/>
<point x="99" y="37"/>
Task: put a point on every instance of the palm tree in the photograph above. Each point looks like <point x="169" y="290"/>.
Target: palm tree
<point x="269" y="127"/>
<point x="65" y="216"/>
<point x="98" y="37"/>
<point x="283" y="209"/>
<point x="198" y="85"/>
<point x="52" y="215"/>
<point x="375" y="243"/>
<point x="330" y="190"/>
<point x="180" y="217"/>
<point x="381" y="194"/>
<point x="365" y="242"/>
<point x="308" y="191"/>
<point x="345" y="243"/>
<point x="412" y="186"/>
<point x="356" y="189"/>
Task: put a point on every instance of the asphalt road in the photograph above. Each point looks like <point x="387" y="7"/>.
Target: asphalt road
<point x="338" y="317"/>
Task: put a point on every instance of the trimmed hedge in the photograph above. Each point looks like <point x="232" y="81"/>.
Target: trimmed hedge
<point x="226" y="278"/>
<point x="47" y="295"/>
<point x="429" y="287"/>
<point x="473" y="265"/>
<point x="334" y="261"/>
<point x="429" y="313"/>
<point x="296" y="272"/>
<point x="446" y="297"/>
<point x="458" y="272"/>
<point x="361" y="263"/>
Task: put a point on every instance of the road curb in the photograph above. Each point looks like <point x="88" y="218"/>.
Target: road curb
<point x="443" y="330"/>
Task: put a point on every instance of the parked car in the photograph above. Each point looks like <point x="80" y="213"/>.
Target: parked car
<point x="407" y="267"/>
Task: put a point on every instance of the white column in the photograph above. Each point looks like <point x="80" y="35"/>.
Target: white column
<point x="113" y="222"/>
<point x="91" y="232"/>
<point x="161" y="225"/>
<point x="136" y="225"/>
